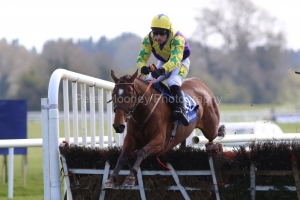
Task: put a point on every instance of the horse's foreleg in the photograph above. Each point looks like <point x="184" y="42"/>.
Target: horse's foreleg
<point x="130" y="179"/>
<point x="153" y="147"/>
<point x="110" y="183"/>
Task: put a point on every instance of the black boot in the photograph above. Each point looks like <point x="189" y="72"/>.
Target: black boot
<point x="179" y="113"/>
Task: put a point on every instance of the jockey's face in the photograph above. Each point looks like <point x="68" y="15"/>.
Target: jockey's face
<point x="160" y="36"/>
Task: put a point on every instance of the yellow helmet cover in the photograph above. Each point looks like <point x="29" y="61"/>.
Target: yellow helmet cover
<point x="161" y="21"/>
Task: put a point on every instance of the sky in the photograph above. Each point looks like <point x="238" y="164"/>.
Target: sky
<point x="33" y="22"/>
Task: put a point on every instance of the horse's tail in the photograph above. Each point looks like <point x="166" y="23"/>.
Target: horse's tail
<point x="221" y="131"/>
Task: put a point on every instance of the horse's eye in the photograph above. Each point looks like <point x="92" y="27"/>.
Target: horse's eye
<point x="129" y="90"/>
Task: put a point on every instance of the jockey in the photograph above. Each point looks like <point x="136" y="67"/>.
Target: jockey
<point x="172" y="52"/>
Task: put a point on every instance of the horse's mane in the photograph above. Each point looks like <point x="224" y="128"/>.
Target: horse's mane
<point x="125" y="77"/>
<point x="142" y="80"/>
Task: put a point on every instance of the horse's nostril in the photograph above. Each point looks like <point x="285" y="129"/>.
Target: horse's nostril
<point x="119" y="128"/>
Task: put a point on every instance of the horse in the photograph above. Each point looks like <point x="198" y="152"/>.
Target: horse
<point x="150" y="121"/>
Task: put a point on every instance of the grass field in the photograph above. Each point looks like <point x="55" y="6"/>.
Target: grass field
<point x="34" y="177"/>
<point x="254" y="107"/>
<point x="34" y="189"/>
<point x="289" y="127"/>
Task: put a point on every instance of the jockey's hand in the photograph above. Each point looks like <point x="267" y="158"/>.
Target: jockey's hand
<point x="145" y="70"/>
<point x="158" y="72"/>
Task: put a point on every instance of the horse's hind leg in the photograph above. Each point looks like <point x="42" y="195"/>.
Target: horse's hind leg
<point x="209" y="124"/>
<point x="182" y="145"/>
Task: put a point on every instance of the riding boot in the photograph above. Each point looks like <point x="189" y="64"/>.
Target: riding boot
<point x="179" y="113"/>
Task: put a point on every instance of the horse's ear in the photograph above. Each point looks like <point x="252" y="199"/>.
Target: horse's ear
<point x="116" y="80"/>
<point x="133" y="76"/>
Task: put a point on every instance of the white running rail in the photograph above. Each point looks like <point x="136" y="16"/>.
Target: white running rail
<point x="87" y="105"/>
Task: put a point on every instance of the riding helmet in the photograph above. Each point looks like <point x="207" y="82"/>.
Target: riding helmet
<point x="161" y="22"/>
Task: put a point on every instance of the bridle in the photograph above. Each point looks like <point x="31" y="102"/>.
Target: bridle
<point x="140" y="97"/>
<point x="130" y="110"/>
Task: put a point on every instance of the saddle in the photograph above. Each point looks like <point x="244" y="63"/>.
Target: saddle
<point x="190" y="105"/>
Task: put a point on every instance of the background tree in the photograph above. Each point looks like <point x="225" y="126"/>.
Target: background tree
<point x="14" y="61"/>
<point x="249" y="64"/>
<point x="243" y="33"/>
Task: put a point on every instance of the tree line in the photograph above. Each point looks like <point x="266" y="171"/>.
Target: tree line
<point x="251" y="64"/>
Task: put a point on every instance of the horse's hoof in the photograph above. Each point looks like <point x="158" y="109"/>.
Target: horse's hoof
<point x="129" y="181"/>
<point x="109" y="184"/>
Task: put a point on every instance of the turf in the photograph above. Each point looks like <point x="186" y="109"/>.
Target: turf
<point x="33" y="188"/>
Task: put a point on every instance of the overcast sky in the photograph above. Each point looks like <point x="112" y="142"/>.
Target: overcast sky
<point x="35" y="21"/>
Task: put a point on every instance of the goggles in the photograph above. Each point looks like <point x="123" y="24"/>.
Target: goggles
<point x="161" y="33"/>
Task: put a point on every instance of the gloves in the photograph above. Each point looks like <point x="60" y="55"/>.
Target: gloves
<point x="145" y="70"/>
<point x="156" y="73"/>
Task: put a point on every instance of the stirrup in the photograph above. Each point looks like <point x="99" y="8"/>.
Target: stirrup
<point x="179" y="115"/>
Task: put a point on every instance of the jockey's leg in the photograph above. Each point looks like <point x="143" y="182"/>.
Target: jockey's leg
<point x="174" y="82"/>
<point x="179" y="113"/>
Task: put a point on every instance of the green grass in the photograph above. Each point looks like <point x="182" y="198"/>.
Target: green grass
<point x="286" y="127"/>
<point x="255" y="107"/>
<point x="34" y="188"/>
<point x="243" y="107"/>
<point x="289" y="127"/>
<point x="34" y="177"/>
<point x="40" y="197"/>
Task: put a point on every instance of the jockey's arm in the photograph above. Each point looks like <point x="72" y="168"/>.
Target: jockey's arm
<point x="144" y="54"/>
<point x="177" y="50"/>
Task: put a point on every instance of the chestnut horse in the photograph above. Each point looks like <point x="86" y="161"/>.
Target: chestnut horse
<point x="150" y="123"/>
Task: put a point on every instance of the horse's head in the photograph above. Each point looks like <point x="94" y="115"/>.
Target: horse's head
<point x="125" y="98"/>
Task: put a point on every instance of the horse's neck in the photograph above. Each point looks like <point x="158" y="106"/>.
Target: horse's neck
<point x="140" y="85"/>
<point x="152" y="105"/>
<point x="151" y="95"/>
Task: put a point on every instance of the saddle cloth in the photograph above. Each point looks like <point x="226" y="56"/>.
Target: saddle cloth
<point x="191" y="106"/>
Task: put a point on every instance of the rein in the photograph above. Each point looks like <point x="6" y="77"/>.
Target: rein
<point x="130" y="114"/>
<point x="143" y="124"/>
